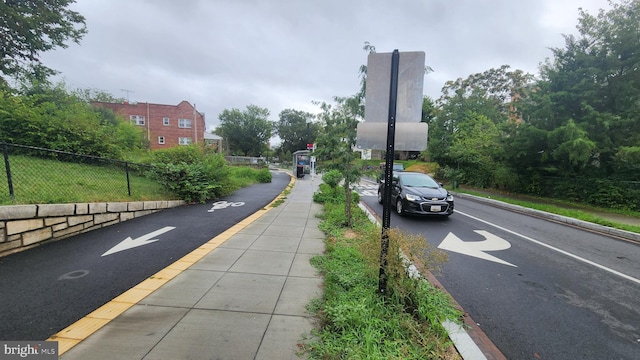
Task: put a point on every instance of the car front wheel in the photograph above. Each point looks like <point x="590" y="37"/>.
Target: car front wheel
<point x="379" y="197"/>
<point x="399" y="208"/>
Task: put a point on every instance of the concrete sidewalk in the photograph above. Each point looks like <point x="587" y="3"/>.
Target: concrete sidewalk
<point x="240" y="296"/>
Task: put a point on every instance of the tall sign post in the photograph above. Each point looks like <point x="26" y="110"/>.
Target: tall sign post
<point x="388" y="173"/>
<point x="393" y="110"/>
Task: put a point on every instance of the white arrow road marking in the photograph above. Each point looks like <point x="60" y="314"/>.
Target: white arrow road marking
<point x="129" y="243"/>
<point x="631" y="278"/>
<point x="477" y="248"/>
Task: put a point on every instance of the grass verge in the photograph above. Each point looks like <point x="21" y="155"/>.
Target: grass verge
<point x="49" y="181"/>
<point x="580" y="212"/>
<point x="46" y="181"/>
<point x="356" y="321"/>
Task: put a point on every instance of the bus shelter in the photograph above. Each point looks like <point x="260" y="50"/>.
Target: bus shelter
<point x="301" y="163"/>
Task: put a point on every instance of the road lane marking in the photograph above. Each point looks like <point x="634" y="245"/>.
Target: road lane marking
<point x="366" y="190"/>
<point x="477" y="248"/>
<point x="130" y="243"/>
<point x="602" y="267"/>
<point x="461" y="339"/>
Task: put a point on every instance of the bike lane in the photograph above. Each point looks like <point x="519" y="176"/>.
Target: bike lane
<point x="51" y="286"/>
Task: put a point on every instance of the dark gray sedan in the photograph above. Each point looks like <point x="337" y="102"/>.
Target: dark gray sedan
<point x="418" y="194"/>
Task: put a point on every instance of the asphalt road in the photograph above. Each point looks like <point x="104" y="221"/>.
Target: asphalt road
<point x="45" y="289"/>
<point x="538" y="289"/>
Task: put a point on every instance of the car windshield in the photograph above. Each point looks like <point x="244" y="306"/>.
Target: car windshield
<point x="419" y="180"/>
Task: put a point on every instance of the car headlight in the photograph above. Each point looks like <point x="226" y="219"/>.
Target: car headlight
<point x="449" y="197"/>
<point x="412" y="197"/>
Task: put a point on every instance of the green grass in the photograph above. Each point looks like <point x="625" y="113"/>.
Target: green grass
<point x="243" y="176"/>
<point x="280" y="200"/>
<point x="357" y="322"/>
<point x="576" y="211"/>
<point x="49" y="181"/>
<point x="45" y="181"/>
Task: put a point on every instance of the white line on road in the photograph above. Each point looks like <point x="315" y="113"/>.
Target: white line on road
<point x="555" y="249"/>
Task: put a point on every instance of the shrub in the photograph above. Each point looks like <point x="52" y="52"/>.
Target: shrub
<point x="49" y="117"/>
<point x="264" y="175"/>
<point x="180" y="154"/>
<point x="191" y="173"/>
<point x="246" y="175"/>
<point x="334" y="195"/>
<point x="332" y="178"/>
<point x="217" y="172"/>
<point x="188" y="181"/>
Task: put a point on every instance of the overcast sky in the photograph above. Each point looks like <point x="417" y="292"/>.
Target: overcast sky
<point x="284" y="54"/>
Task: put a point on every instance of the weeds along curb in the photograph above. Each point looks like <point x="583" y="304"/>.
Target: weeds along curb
<point x="471" y="345"/>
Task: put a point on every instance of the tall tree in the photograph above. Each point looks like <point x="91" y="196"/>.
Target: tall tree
<point x="475" y="149"/>
<point x="594" y="82"/>
<point x="495" y="94"/>
<point x="246" y="132"/>
<point x="296" y="129"/>
<point x="428" y="109"/>
<point x="90" y="95"/>
<point x="335" y="145"/>
<point x="30" y="27"/>
<point x="48" y="116"/>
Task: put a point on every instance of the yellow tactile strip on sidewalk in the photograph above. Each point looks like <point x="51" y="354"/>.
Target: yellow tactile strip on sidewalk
<point x="72" y="335"/>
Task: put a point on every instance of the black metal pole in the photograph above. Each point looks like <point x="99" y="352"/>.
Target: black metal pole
<point x="5" y="151"/>
<point x="388" y="173"/>
<point x="126" y="170"/>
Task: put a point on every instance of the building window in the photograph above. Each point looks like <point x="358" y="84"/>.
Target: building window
<point x="165" y="121"/>
<point x="184" y="140"/>
<point x="161" y="140"/>
<point x="137" y="119"/>
<point x="184" y="123"/>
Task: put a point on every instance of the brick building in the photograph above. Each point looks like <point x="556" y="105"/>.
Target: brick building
<point x="165" y="125"/>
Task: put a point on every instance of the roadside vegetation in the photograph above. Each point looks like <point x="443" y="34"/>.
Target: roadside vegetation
<point x="187" y="173"/>
<point x="40" y="116"/>
<point x="197" y="174"/>
<point x="358" y="322"/>
<point x="549" y="135"/>
<point x="578" y="210"/>
<point x="565" y="208"/>
<point x="47" y="181"/>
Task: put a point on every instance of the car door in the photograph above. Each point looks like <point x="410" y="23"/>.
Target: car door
<point x="395" y="188"/>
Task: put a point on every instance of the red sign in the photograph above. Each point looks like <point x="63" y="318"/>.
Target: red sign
<point x="309" y="146"/>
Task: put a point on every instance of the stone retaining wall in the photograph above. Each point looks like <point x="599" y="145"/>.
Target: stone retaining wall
<point x="26" y="226"/>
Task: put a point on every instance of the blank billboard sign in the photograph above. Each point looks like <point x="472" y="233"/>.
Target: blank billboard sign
<point x="411" y="134"/>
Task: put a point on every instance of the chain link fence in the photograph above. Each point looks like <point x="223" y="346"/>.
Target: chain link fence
<point x="32" y="175"/>
<point x="245" y="160"/>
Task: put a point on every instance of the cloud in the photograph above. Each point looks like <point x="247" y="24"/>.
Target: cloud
<point x="225" y="54"/>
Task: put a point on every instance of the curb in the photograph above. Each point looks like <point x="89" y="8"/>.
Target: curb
<point x="623" y="234"/>
<point x="474" y="346"/>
